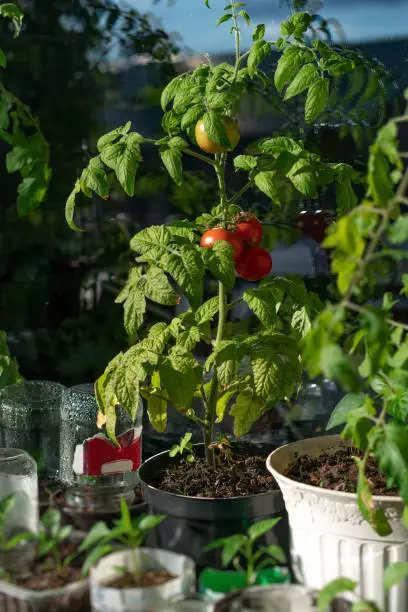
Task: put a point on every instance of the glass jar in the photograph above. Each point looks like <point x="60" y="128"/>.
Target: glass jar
<point x="18" y="483"/>
<point x="30" y="420"/>
<point x="97" y="472"/>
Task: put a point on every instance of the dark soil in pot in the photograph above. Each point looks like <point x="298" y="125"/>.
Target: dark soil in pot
<point x="232" y="503"/>
<point x="43" y="574"/>
<point x="337" y="471"/>
<point x="151" y="578"/>
<point x="239" y="475"/>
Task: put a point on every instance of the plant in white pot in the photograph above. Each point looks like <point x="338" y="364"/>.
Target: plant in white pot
<point x="42" y="572"/>
<point x="245" y="373"/>
<point x="347" y="496"/>
<point x="128" y="577"/>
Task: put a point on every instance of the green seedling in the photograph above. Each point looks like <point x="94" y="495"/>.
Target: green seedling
<point x="126" y="533"/>
<point x="241" y="547"/>
<point x="185" y="448"/>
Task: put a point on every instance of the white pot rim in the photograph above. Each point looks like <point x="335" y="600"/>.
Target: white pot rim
<point x="334" y="441"/>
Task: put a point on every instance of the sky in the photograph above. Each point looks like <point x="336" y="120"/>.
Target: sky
<point x="361" y="20"/>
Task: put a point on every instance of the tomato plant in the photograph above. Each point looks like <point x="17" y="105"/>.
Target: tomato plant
<point x="249" y="229"/>
<point x="254" y="264"/>
<point x="198" y="108"/>
<point x="210" y="237"/>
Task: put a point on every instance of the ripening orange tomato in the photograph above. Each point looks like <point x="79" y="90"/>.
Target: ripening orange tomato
<point x="207" y="145"/>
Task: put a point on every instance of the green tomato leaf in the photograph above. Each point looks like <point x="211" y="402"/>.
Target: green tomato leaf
<point x="11" y="10"/>
<point x="307" y="75"/>
<point x="335" y="365"/>
<point x="171" y="158"/>
<point x="259" y="32"/>
<point x="223" y="19"/>
<point x="192" y="115"/>
<point x="349" y="403"/>
<point x="113" y="135"/>
<point x="207" y="311"/>
<point x="245" y="162"/>
<point x="215" y="130"/>
<point x="220" y="262"/>
<point x="258" y="52"/>
<point x="289" y="64"/>
<point x="187" y="269"/>
<point x="394" y="573"/>
<point x="262" y="302"/>
<point x="134" y="309"/>
<point x="158" y="289"/>
<point x="391" y="450"/>
<point x="70" y="208"/>
<point x="169" y="92"/>
<point x="373" y="515"/>
<point x="398" y="231"/>
<point x="180" y="374"/>
<point x="245" y="410"/>
<point x="245" y="15"/>
<point x="316" y="100"/>
<point x="123" y="157"/>
<point x="266" y="181"/>
<point x="222" y="405"/>
<point x="281" y="144"/>
<point x="332" y="590"/>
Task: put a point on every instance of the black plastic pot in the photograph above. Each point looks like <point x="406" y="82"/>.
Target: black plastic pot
<point x="194" y="522"/>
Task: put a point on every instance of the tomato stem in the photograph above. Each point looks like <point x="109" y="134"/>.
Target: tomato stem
<point x="211" y="407"/>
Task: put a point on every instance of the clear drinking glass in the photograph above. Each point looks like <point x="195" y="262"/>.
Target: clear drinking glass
<point x="18" y="477"/>
<point x="30" y="420"/>
<point x="97" y="472"/>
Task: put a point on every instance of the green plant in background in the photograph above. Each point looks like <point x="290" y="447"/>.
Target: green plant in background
<point x="184" y="449"/>
<point x="52" y="536"/>
<point x="19" y="128"/>
<point x="362" y="345"/>
<point x="240" y="547"/>
<point x="9" y="371"/>
<point x="248" y="372"/>
<point x="393" y="574"/>
<point x="126" y="533"/>
<point x="8" y="544"/>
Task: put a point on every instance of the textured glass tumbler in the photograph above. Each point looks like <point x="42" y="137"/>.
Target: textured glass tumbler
<point x="30" y="420"/>
<point x="99" y="472"/>
<point x="18" y="478"/>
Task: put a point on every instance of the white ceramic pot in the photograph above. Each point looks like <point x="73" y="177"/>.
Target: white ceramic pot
<point x="329" y="537"/>
<point x="73" y="597"/>
<point x="146" y="599"/>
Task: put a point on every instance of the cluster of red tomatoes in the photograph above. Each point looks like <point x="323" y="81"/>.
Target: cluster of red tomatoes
<point x="252" y="262"/>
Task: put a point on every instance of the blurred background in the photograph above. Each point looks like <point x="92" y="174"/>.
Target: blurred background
<point x="86" y="66"/>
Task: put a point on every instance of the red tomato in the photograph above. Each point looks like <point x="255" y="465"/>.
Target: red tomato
<point x="249" y="229"/>
<point x="313" y="224"/>
<point x="217" y="233"/>
<point x="254" y="264"/>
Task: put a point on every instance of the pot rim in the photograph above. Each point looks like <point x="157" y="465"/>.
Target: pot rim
<point x="199" y="499"/>
<point x="290" y="482"/>
<point x="23" y="594"/>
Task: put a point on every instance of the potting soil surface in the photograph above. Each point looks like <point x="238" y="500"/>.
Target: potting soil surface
<point x="150" y="578"/>
<point x="232" y="477"/>
<point x="45" y="577"/>
<point x="338" y="472"/>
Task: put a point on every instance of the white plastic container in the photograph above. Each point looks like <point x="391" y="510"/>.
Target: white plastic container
<point x="73" y="597"/>
<point x="329" y="537"/>
<point x="147" y="599"/>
